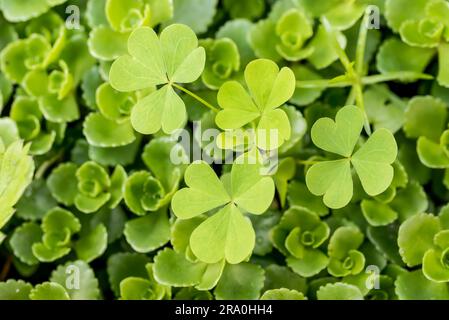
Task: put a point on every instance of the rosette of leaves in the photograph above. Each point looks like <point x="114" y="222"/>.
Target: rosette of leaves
<point x="32" y="127"/>
<point x="258" y="109"/>
<point x="49" y="66"/>
<point x="173" y="57"/>
<point x="371" y="162"/>
<point x="426" y="120"/>
<point x="432" y="249"/>
<point x="222" y="62"/>
<point x="284" y="37"/>
<point x="111" y="126"/>
<point x="344" y="258"/>
<point x="88" y="187"/>
<point x="298" y="236"/>
<point x="426" y="26"/>
<point x="148" y="194"/>
<point x="342" y="15"/>
<point x="54" y="239"/>
<point x="17" y="11"/>
<point x="136" y="288"/>
<point x="16" y="173"/>
<point x="58" y="226"/>
<point x="227" y="234"/>
<point x="179" y="267"/>
<point x="147" y="191"/>
<point x="112" y="21"/>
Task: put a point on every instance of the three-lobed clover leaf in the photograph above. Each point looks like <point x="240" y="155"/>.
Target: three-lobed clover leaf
<point x="173" y="57"/>
<point x="269" y="88"/>
<point x="227" y="234"/>
<point x="372" y="161"/>
<point x="298" y="236"/>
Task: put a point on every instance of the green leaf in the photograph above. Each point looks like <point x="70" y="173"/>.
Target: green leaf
<point x="16" y="11"/>
<point x="340" y="136"/>
<point x="93" y="244"/>
<point x="197" y="14"/>
<point x="16" y="171"/>
<point x="377" y="213"/>
<point x="124" y="265"/>
<point x="23" y="239"/>
<point x="339" y="291"/>
<point x="62" y="183"/>
<point x="238" y="31"/>
<point x="175" y="57"/>
<point x="148" y="233"/>
<point x="416" y="237"/>
<point x="269" y="88"/>
<point x="435" y="266"/>
<point x="282" y="294"/>
<point x="102" y="132"/>
<point x="227" y="234"/>
<point x="396" y="16"/>
<point x="242" y="281"/>
<point x="425" y="117"/>
<point x="172" y="268"/>
<point x="415" y="286"/>
<point x="299" y="196"/>
<point x="78" y="279"/>
<point x="312" y="262"/>
<point x="36" y="201"/>
<point x="282" y="277"/>
<point x="49" y="291"/>
<point x="15" y="290"/>
<point x="333" y="178"/>
<point x="395" y="55"/>
<point x="324" y="53"/>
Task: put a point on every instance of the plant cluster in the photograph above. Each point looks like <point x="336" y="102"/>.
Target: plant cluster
<point x="334" y="115"/>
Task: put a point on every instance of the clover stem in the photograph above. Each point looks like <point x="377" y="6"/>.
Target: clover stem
<point x="361" y="45"/>
<point x="324" y="83"/>
<point x="196" y="97"/>
<point x="400" y="75"/>
<point x="355" y="76"/>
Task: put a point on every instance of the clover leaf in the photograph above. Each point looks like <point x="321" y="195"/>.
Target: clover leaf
<point x="298" y="236"/>
<point x="372" y="162"/>
<point x="269" y="88"/>
<point x="215" y="239"/>
<point x="171" y="58"/>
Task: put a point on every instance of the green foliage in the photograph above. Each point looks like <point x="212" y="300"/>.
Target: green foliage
<point x="205" y="149"/>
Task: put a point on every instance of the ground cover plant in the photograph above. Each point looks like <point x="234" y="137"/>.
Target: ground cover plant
<point x="206" y="149"/>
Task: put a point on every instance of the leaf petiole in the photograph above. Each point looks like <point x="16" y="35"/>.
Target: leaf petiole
<point x="196" y="97"/>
